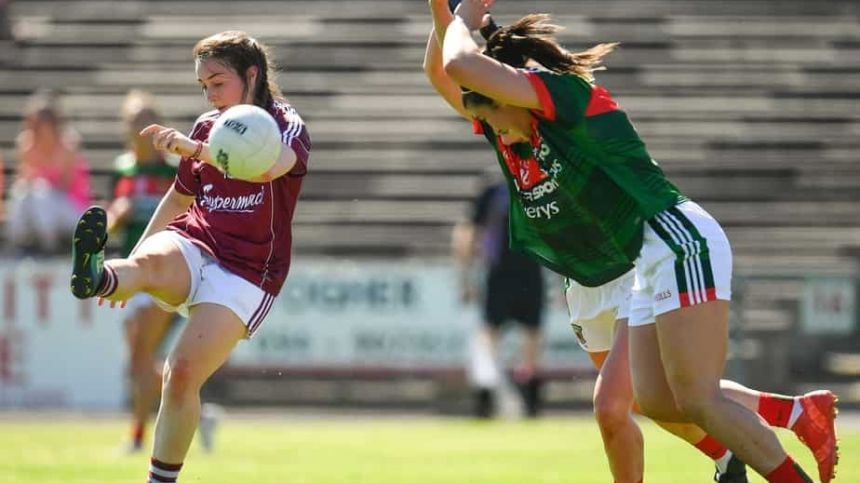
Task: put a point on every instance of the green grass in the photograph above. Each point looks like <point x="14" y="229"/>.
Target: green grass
<point x="404" y="450"/>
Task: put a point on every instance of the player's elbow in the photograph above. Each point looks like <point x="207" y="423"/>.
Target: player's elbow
<point x="457" y="68"/>
<point x="178" y="202"/>
<point x="428" y="66"/>
<point x="433" y="70"/>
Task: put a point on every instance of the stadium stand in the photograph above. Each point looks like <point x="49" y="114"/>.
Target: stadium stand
<point x="750" y="106"/>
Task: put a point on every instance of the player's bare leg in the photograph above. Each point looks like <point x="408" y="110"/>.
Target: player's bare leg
<point x="677" y="364"/>
<point x="622" y="438"/>
<point x="205" y="344"/>
<point x="157" y="267"/>
<point x="145" y="329"/>
<point x="613" y="398"/>
<point x="811" y="417"/>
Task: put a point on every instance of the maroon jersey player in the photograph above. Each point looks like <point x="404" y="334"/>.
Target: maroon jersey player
<point x="216" y="248"/>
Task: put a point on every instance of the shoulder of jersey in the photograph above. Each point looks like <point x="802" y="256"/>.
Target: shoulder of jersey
<point x="208" y="117"/>
<point x="285" y="111"/>
<point x="536" y="70"/>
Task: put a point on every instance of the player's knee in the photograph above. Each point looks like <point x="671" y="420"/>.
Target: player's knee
<point x="694" y="400"/>
<point x="178" y="380"/>
<point x="153" y="268"/>
<point x="656" y="405"/>
<point x="611" y="412"/>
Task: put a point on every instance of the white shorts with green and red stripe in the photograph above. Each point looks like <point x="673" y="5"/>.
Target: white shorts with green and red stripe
<point x="685" y="260"/>
<point x="594" y="310"/>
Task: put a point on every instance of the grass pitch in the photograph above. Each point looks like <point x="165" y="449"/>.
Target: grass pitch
<point x="322" y="449"/>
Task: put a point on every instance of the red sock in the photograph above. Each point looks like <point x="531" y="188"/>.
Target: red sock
<point x="137" y="434"/>
<point x="711" y="447"/>
<point x="788" y="472"/>
<point x="776" y="410"/>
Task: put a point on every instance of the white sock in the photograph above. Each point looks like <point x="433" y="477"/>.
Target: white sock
<point x="723" y="462"/>
<point x="484" y="370"/>
<point x="796" y="411"/>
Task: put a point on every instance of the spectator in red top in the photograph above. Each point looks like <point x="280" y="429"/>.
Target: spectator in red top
<point x="216" y="248"/>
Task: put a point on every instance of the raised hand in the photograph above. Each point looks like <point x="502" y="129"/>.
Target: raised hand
<point x="473" y="11"/>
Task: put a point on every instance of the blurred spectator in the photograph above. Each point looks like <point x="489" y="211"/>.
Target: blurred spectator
<point x="52" y="184"/>
<point x="142" y="176"/>
<point x="510" y="288"/>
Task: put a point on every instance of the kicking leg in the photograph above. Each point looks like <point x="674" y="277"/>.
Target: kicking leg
<point x="157" y="267"/>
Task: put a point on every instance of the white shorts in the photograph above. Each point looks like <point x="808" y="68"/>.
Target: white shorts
<point x="685" y="260"/>
<point x="594" y="310"/>
<point x="211" y="283"/>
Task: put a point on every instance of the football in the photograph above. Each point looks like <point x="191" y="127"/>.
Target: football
<point x="245" y="142"/>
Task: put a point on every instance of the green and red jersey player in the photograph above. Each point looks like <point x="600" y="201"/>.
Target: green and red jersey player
<point x="592" y="205"/>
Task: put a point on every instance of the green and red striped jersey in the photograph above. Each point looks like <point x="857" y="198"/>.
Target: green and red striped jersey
<point x="584" y="185"/>
<point x="144" y="185"/>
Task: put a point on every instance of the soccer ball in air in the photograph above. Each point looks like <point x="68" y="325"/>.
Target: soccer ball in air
<point x="245" y="142"/>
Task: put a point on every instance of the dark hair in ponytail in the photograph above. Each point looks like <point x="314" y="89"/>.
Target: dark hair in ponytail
<point x="239" y="51"/>
<point x="531" y="38"/>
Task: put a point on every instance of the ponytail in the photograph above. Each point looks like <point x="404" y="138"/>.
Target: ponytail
<point x="531" y="38"/>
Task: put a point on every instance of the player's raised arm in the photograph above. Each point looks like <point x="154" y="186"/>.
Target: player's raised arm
<point x="447" y="88"/>
<point x="467" y="66"/>
<point x="433" y="68"/>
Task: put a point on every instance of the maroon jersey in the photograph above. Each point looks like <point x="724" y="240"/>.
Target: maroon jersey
<point x="246" y="226"/>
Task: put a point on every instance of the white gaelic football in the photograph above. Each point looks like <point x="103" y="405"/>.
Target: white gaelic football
<point x="245" y="142"/>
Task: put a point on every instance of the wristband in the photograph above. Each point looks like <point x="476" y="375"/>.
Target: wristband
<point x="198" y="150"/>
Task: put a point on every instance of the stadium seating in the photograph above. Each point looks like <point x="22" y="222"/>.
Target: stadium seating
<point x="750" y="106"/>
<point x="741" y="102"/>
